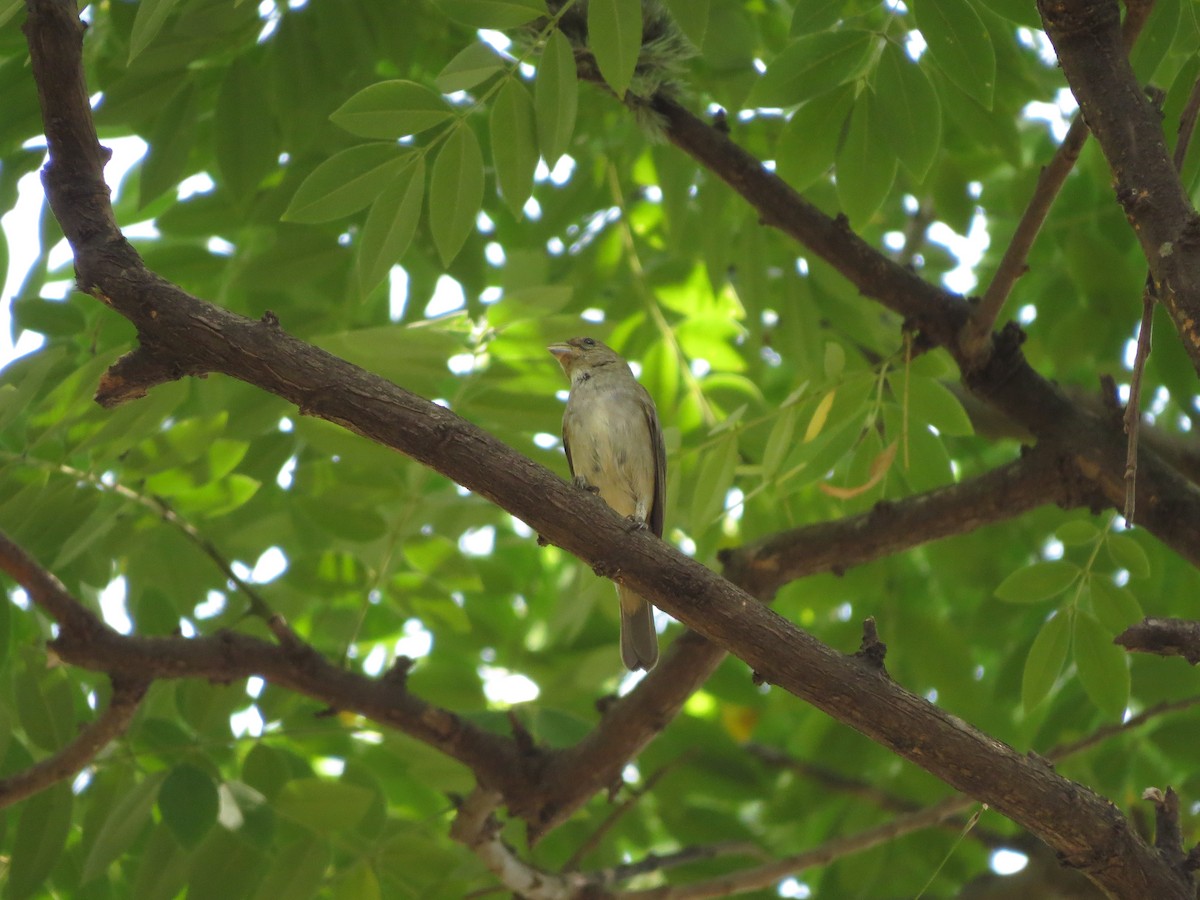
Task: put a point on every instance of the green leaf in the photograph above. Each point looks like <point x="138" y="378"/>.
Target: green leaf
<point x="1127" y="553"/>
<point x="360" y="883"/>
<point x="390" y="225"/>
<point x="323" y="805"/>
<point x="8" y="9"/>
<point x="147" y="22"/>
<point x="529" y="303"/>
<point x="188" y="803"/>
<point x="1038" y="582"/>
<point x="866" y="163"/>
<point x="815" y="15"/>
<point x="298" y="871"/>
<point x="1019" y="11"/>
<point x="1045" y="660"/>
<point x="346" y="182"/>
<point x="960" y="44"/>
<point x="122" y="825"/>
<point x="1102" y="665"/>
<point x="909" y="109"/>
<point x="1156" y="38"/>
<point x="931" y="402"/>
<point x="171" y="144"/>
<point x="44" y="706"/>
<point x="391" y="109"/>
<point x="1077" y="532"/>
<point x="692" y="17"/>
<point x="245" y="134"/>
<point x="556" y="96"/>
<point x="1116" y="607"/>
<point x="615" y="38"/>
<point x="473" y="65"/>
<point x="42" y="831"/>
<point x="514" y="144"/>
<point x="835" y="360"/>
<point x="812" y="65"/>
<point x="455" y="192"/>
<point x="98" y="523"/>
<point x="713" y="482"/>
<point x="162" y="867"/>
<point x="498" y="14"/>
<point x="779" y="442"/>
<point x="810" y="140"/>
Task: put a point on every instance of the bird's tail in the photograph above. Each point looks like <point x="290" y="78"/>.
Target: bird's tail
<point x="639" y="640"/>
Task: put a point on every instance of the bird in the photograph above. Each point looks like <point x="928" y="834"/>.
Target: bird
<point x="614" y="446"/>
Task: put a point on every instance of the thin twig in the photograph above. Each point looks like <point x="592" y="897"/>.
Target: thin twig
<point x="163" y="510"/>
<point x="1133" y="415"/>
<point x="657" y="863"/>
<point x="1133" y="408"/>
<point x="977" y="334"/>
<point x="593" y="841"/>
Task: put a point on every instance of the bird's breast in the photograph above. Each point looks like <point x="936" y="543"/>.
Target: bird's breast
<point x="611" y="446"/>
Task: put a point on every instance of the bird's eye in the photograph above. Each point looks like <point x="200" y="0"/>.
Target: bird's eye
<point x="588" y="342"/>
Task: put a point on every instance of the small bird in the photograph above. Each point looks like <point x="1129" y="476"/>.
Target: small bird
<point x="615" y="447"/>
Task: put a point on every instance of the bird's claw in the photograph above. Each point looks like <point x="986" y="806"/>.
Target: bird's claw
<point x="580" y="482"/>
<point x="636" y="523"/>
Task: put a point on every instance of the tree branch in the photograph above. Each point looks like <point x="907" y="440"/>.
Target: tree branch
<point x="1092" y="444"/>
<point x="1036" y="479"/>
<point x="127" y="694"/>
<point x="760" y="569"/>
<point x="196" y="337"/>
<point x="1087" y="37"/>
<point x="86" y="641"/>
<point x="977" y="335"/>
<point x="1163" y="637"/>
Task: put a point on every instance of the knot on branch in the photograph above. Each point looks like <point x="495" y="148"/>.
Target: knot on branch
<point x="872" y="650"/>
<point x="997" y="367"/>
<point x="397" y="676"/>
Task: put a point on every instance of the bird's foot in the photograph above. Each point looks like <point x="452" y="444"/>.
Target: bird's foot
<point x="635" y="523"/>
<point x="580" y="482"/>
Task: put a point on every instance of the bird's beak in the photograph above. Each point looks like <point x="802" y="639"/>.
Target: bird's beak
<point x="562" y="352"/>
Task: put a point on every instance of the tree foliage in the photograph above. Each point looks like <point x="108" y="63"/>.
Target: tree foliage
<point x="844" y="431"/>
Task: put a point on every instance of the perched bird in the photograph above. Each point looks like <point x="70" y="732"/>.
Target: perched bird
<point x="615" y="447"/>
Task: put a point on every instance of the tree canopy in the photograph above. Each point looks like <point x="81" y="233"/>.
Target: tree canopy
<point x="893" y="298"/>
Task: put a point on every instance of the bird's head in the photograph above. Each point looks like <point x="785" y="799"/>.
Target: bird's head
<point x="582" y="354"/>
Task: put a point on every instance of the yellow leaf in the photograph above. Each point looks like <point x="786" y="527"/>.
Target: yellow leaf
<point x="819" y="416"/>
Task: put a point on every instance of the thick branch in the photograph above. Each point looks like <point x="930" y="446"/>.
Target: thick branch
<point x="1084" y="828"/>
<point x="890" y="527"/>
<point x="1087" y="36"/>
<point x="631" y="722"/>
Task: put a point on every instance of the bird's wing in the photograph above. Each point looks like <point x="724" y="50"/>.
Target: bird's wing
<point x="659" y="510"/>
<point x="567" y="449"/>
